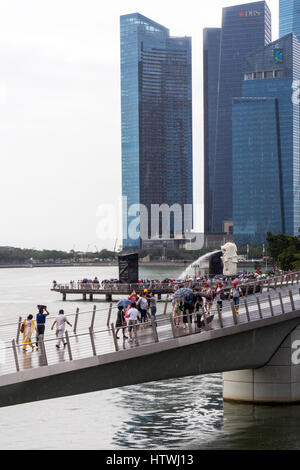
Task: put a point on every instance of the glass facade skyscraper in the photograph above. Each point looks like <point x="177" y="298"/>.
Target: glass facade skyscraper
<point x="245" y="28"/>
<point x="211" y="57"/>
<point x="156" y="102"/>
<point x="289" y="17"/>
<point x="266" y="144"/>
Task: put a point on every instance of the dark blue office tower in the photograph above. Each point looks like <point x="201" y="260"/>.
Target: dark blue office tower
<point x="156" y="100"/>
<point x="289" y="17"/>
<point x="266" y="144"/>
<point x="245" y="28"/>
<point x="211" y="56"/>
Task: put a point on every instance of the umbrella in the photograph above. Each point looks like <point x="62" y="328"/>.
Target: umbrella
<point x="183" y="292"/>
<point x="124" y="303"/>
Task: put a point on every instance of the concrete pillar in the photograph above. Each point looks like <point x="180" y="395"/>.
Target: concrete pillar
<point x="276" y="382"/>
<point x="64" y="296"/>
<point x="91" y="296"/>
<point x="159" y="296"/>
<point x="108" y="297"/>
<point x="84" y="296"/>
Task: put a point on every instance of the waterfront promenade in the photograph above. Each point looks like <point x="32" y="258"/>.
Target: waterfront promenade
<point x="112" y="290"/>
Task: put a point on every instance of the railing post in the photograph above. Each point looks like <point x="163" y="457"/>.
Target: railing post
<point x="76" y="320"/>
<point x="109" y="314"/>
<point x="114" y="336"/>
<point x="275" y="282"/>
<point x="281" y="281"/>
<point x="247" y="309"/>
<point x="166" y="304"/>
<point x="68" y="346"/>
<point x="234" y="316"/>
<point x="93" y="317"/>
<point x="271" y="306"/>
<point x="269" y="282"/>
<point x="154" y="329"/>
<point x="254" y="288"/>
<point x="43" y="350"/>
<point x="247" y="290"/>
<point x="19" y="330"/>
<point x="292" y="278"/>
<point x="189" y="322"/>
<point x="292" y="300"/>
<point x="15" y="355"/>
<point x="135" y="333"/>
<point x="204" y="318"/>
<point x="174" y="330"/>
<point x="220" y="315"/>
<point x="287" y="280"/>
<point x="91" y="331"/>
<point x="259" y="308"/>
<point x="297" y="278"/>
<point x="281" y="302"/>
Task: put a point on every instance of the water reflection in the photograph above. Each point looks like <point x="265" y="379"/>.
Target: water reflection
<point x="170" y="414"/>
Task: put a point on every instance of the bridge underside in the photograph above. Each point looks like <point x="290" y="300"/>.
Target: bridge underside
<point x="244" y="347"/>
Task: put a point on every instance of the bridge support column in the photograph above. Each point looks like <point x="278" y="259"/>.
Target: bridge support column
<point x="91" y="296"/>
<point x="108" y="297"/>
<point x="64" y="297"/>
<point x="84" y="296"/>
<point x="276" y="382"/>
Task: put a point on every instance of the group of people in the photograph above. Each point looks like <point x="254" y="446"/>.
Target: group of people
<point x="201" y="303"/>
<point x="29" y="327"/>
<point x="140" y="308"/>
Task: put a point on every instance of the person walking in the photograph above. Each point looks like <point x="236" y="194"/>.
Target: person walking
<point x="28" y="329"/>
<point x="219" y="292"/>
<point x="40" y="323"/>
<point x="60" y="323"/>
<point x="143" y="306"/>
<point x="198" y="311"/>
<point x="188" y="309"/>
<point x="153" y="305"/>
<point x="235" y="294"/>
<point x="208" y="298"/>
<point x="121" y="322"/>
<point x="132" y="315"/>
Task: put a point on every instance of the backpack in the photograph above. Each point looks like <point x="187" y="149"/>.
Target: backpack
<point x="22" y="327"/>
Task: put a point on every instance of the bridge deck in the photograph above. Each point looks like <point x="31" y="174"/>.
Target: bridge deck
<point x="81" y="345"/>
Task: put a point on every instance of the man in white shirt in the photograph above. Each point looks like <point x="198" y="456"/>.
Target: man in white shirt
<point x="60" y="323"/>
<point x="132" y="315"/>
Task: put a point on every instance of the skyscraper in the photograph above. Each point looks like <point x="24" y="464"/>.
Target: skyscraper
<point x="266" y="144"/>
<point x="156" y="100"/>
<point x="244" y="29"/>
<point x="289" y="17"/>
<point x="211" y="56"/>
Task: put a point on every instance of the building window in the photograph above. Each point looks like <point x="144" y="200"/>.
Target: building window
<point x="269" y="74"/>
<point x="248" y="76"/>
<point x="279" y="73"/>
<point x="258" y="75"/>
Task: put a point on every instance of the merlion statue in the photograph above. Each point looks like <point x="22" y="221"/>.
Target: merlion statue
<point x="229" y="259"/>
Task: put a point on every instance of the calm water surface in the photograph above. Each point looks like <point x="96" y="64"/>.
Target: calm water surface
<point x="185" y="413"/>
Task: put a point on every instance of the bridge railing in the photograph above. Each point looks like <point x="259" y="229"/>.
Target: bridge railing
<point x="97" y="342"/>
<point x="117" y="287"/>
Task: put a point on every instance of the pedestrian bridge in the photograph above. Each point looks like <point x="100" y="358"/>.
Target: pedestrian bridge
<point x="94" y="359"/>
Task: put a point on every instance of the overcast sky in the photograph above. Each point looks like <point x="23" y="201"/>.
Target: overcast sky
<point x="60" y="112"/>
